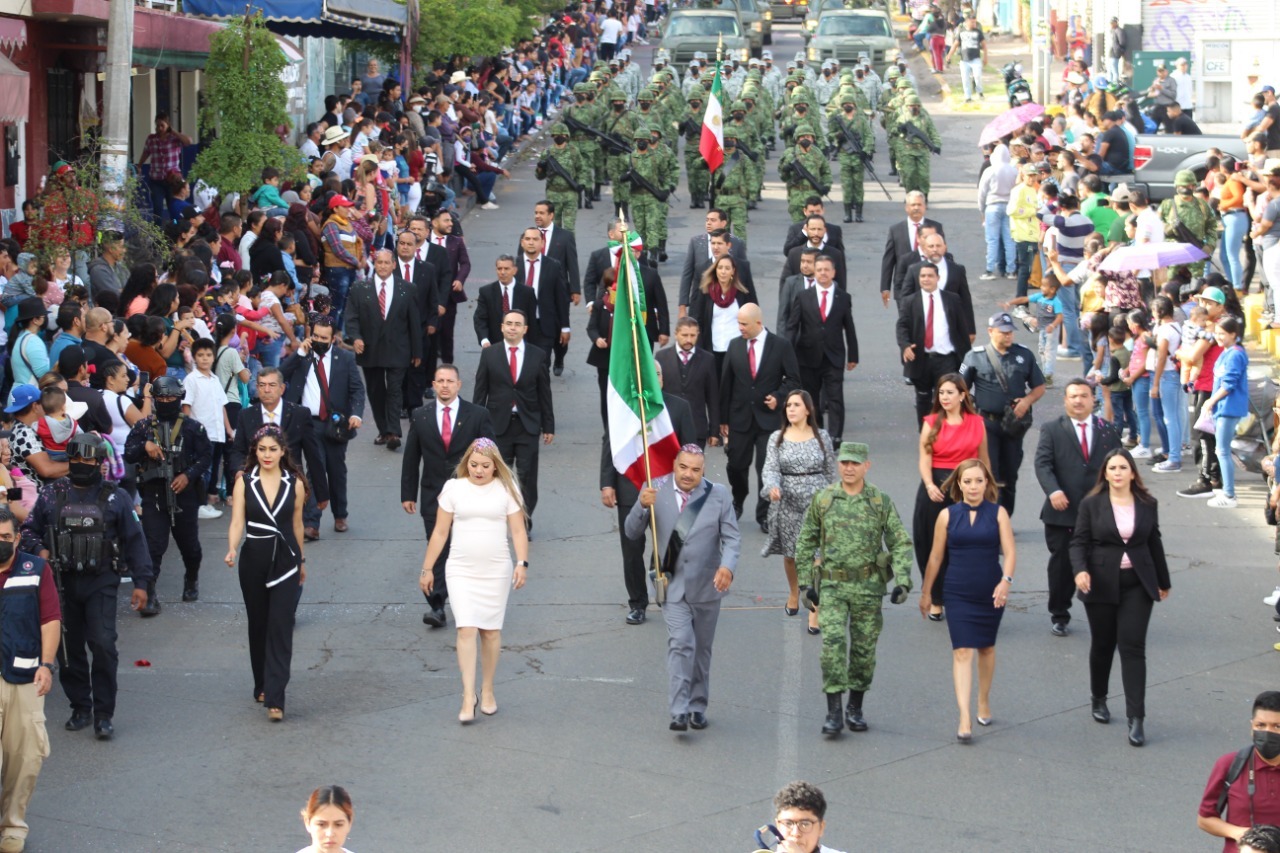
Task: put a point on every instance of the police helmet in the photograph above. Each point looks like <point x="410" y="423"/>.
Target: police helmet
<point x="167" y="386"/>
<point x="87" y="445"/>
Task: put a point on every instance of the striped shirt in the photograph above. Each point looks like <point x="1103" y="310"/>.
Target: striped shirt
<point x="1072" y="231"/>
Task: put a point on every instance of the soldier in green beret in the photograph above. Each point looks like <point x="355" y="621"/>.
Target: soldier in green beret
<point x="844" y="565"/>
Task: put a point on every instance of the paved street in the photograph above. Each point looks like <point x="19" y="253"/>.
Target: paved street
<point x="579" y="757"/>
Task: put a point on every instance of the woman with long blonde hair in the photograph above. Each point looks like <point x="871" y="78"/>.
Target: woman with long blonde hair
<point x="478" y="504"/>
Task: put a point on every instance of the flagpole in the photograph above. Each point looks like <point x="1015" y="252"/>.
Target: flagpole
<point x="659" y="579"/>
<point x="711" y="177"/>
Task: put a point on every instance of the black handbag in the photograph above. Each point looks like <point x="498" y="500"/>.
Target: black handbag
<point x="1015" y="427"/>
<point x="337" y="427"/>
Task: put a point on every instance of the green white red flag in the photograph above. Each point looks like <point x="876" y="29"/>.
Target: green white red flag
<point x="711" y="145"/>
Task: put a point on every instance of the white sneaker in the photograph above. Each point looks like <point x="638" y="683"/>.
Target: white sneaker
<point x="1140" y="452"/>
<point x="488" y="205"/>
<point x="1020" y="312"/>
<point x="1223" y="501"/>
<point x="1271" y="600"/>
<point x="208" y="511"/>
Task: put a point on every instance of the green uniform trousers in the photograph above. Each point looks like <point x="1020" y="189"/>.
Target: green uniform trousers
<point x="851" y="621"/>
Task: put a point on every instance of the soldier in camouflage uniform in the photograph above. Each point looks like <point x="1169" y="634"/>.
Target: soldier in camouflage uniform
<point x="733" y="184"/>
<point x="844" y="566"/>
<point x="890" y="116"/>
<point x="852" y="122"/>
<point x="646" y="115"/>
<point x="694" y="166"/>
<point x="649" y="211"/>
<point x="753" y="161"/>
<point x="1193" y="213"/>
<point x="824" y="88"/>
<point x="590" y="154"/>
<point x="619" y="124"/>
<point x="812" y="158"/>
<point x="913" y="153"/>
<point x="663" y="152"/>
<point x="692" y="78"/>
<point x="760" y="117"/>
<point x="772" y="79"/>
<point x="869" y="88"/>
<point x="559" y="190"/>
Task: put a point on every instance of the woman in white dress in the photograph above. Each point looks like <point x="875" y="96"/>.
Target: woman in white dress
<point x="484" y="501"/>
<point x="328" y="816"/>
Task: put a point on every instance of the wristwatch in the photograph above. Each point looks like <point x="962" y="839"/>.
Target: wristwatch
<point x="1008" y="580"/>
<point x="46" y="663"/>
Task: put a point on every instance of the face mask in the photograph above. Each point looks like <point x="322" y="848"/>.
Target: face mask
<point x="800" y="111"/>
<point x="84" y="473"/>
<point x="6" y="552"/>
<point x="1184" y="190"/>
<point x="168" y="411"/>
<point x="848" y="109"/>
<point x="729" y="146"/>
<point x="643" y="145"/>
<point x="319" y="349"/>
<point x="617" y="108"/>
<point x="915" y="111"/>
<point x="560" y="140"/>
<point x="805" y="143"/>
<point x="1267" y="743"/>
<point x="739" y="116"/>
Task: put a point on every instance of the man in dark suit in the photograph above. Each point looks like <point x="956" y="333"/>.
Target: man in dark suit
<point x="903" y="239"/>
<point x="793" y="285"/>
<point x="909" y="259"/>
<point x="560" y="245"/>
<point x="826" y="344"/>
<point x="499" y="297"/>
<point x="952" y="278"/>
<point x="760" y="369"/>
<point x="931" y="336"/>
<point x="606" y="258"/>
<point x="383" y="326"/>
<point x="423" y="279"/>
<point x="720" y="247"/>
<point x="796" y="235"/>
<point x="1070" y="454"/>
<point x="700" y="253"/>
<point x="438" y="257"/>
<point x="514" y="383"/>
<point x="549" y="324"/>
<point x="439" y="433"/>
<point x="323" y="379"/>
<point x="816" y="229"/>
<point x="455" y="272"/>
<point x="690" y="374"/>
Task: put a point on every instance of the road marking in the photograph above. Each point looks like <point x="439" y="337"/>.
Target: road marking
<point x="789" y="704"/>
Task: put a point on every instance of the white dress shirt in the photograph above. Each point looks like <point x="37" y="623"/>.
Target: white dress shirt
<point x="941" y="328"/>
<point x="273" y="416"/>
<point x="507" y="290"/>
<point x="311" y="390"/>
<point x="942" y="272"/>
<point x="1088" y="431"/>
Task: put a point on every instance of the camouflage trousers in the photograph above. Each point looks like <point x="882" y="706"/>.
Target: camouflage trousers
<point x="566" y="207"/>
<point x="696" y="170"/>
<point x="795" y="201"/>
<point x="851" y="173"/>
<point x="648" y="219"/>
<point x="735" y="208"/>
<point x="913" y="168"/>
<point x="621" y="189"/>
<point x="851" y="622"/>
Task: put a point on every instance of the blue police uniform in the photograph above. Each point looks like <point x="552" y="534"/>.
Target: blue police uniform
<point x="1022" y="375"/>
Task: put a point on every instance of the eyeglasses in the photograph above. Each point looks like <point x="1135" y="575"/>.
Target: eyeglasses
<point x="804" y="825"/>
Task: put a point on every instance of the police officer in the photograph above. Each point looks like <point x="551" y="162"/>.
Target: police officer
<point x="851" y="123"/>
<point x="841" y="555"/>
<point x="172" y="454"/>
<point x="87" y="530"/>
<point x="1004" y="397"/>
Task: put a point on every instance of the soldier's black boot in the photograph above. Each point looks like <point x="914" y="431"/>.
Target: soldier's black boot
<point x="833" y="725"/>
<point x="190" y="588"/>
<point x="662" y="250"/>
<point x="752" y="204"/>
<point x="595" y="194"/>
<point x="848" y="213"/>
<point x="853" y="714"/>
<point x="857" y="212"/>
<point x="893" y="169"/>
<point x="152" y="607"/>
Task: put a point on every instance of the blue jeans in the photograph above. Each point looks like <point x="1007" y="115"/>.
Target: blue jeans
<point x="996" y="218"/>
<point x="1144" y="407"/>
<point x="1224" y="431"/>
<point x="268" y="352"/>
<point x="1235" y="226"/>
<point x="1173" y="404"/>
<point x="1025" y="254"/>
<point x="1069" y="296"/>
<point x="971" y="77"/>
<point x="159" y="192"/>
<point x="1123" y="412"/>
<point x="339" y="282"/>
<point x="486" y="180"/>
<point x="576" y="76"/>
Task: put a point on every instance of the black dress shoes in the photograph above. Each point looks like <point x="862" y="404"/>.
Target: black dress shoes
<point x="698" y="720"/>
<point x="393" y="442"/>
<point x="635" y="617"/>
<point x="1136" y="736"/>
<point x="1099" y="710"/>
<point x="679" y="723"/>
<point x="1060" y="629"/>
<point x="190" y="590"/>
<point x="78" y="721"/>
<point x="435" y="618"/>
<point x="102" y="729"/>
<point x="558" y="369"/>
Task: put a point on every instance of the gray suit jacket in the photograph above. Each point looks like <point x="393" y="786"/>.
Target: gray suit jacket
<point x="792" y="286"/>
<point x="713" y="542"/>
<point x="696" y="256"/>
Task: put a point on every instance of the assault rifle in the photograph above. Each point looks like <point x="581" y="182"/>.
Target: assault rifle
<point x="552" y="163"/>
<point x="910" y="131"/>
<point x="638" y="179"/>
<point x="754" y="156"/>
<point x="615" y="145"/>
<point x="808" y="176"/>
<point x="855" y="143"/>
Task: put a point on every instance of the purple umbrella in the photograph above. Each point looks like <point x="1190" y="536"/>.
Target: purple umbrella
<point x="1009" y="121"/>
<point x="1149" y="256"/>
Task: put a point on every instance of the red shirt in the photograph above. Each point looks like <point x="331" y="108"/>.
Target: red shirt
<point x="954" y="444"/>
<point x="50" y="609"/>
<point x="1266" y="795"/>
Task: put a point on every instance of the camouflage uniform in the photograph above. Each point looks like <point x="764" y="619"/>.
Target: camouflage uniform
<point x="558" y="190"/>
<point x="847" y="536"/>
<point x="647" y="115"/>
<point x="1195" y="215"/>
<point x="772" y="82"/>
<point x="913" y="155"/>
<point x="588" y="149"/>
<point x="621" y="126"/>
<point x="890" y="116"/>
<point x="733" y="183"/>
<point x="824" y="88"/>
<point x="798" y="188"/>
<point x="694" y="166"/>
<point x="746" y="137"/>
<point x="649" y="212"/>
<point x="852" y="164"/>
<point x="666" y="154"/>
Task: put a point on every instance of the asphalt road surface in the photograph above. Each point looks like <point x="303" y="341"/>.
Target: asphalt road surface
<point x="579" y="757"/>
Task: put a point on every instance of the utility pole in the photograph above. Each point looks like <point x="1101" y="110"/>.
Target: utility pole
<point x="117" y="93"/>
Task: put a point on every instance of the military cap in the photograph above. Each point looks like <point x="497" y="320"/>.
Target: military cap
<point x="766" y="54"/>
<point x="799" y="57"/>
<point x="853" y="451"/>
<point x="1185" y="178"/>
<point x="791" y="66"/>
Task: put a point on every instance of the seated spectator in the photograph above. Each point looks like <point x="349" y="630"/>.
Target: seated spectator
<point x="28" y="355"/>
<point x="21" y="230"/>
<point x="268" y="196"/>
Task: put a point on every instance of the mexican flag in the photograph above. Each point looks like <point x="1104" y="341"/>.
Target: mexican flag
<point x="636" y="410"/>
<point x="711" y="146"/>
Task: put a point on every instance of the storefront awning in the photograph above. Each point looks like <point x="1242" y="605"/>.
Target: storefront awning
<point x="365" y="19"/>
<point x="15" y="92"/>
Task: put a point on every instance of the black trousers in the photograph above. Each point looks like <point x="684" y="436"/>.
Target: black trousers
<point x="270" y="612"/>
<point x="519" y="450"/>
<point x="1006" y="458"/>
<point x="383" y="385"/>
<point x="332" y="455"/>
<point x="1062" y="578"/>
<point x="935" y="367"/>
<point x="444" y="333"/>
<point x="89" y="619"/>
<point x="185" y="528"/>
<point x="440" y="590"/>
<point x="825" y="384"/>
<point x="418" y="379"/>
<point x="633" y="565"/>
<point x="923" y="520"/>
<point x="602" y="379"/>
<point x="742" y="445"/>
<point x="559" y="349"/>
<point x="1206" y="445"/>
<point x="1122" y="626"/>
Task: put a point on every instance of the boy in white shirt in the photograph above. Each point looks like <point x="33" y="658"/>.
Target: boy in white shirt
<point x="205" y="401"/>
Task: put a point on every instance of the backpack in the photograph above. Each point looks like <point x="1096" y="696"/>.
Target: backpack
<point x="1233" y="773"/>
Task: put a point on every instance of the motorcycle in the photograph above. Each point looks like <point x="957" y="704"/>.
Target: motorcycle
<point x="1015" y="85"/>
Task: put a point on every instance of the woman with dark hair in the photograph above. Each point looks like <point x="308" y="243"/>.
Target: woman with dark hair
<point x="1166" y="384"/>
<point x="1227" y="404"/>
<point x="951" y="433"/>
<point x="715" y="303"/>
<point x="180" y="233"/>
<point x="164" y="304"/>
<point x="264" y="255"/>
<point x="142" y="350"/>
<point x="328" y="816"/>
<point x="305" y="228"/>
<point x="1138" y="378"/>
<point x="28" y="353"/>
<point x="800" y="461"/>
<point x="273" y="567"/>
<point x="1121" y="571"/>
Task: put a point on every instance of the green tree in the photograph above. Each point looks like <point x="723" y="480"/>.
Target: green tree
<point x="245" y="106"/>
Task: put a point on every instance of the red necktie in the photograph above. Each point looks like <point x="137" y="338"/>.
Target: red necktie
<point x="822" y="308"/>
<point x="407" y="277"/>
<point x="928" y="324"/>
<point x="324" y="389"/>
<point x="506" y="301"/>
<point x="513" y="364"/>
<point x="528" y="279"/>
<point x="446" y="428"/>
<point x="382" y="299"/>
<point x="684" y="499"/>
<point x="684" y="358"/>
<point x="1084" y="441"/>
<point x="751" y="357"/>
<point x="544" y="241"/>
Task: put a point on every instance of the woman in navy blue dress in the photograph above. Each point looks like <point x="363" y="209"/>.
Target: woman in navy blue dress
<point x="972" y="534"/>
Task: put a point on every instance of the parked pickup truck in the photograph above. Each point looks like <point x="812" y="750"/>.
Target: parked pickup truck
<point x="1157" y="158"/>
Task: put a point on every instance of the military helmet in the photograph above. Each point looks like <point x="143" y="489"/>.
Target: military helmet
<point x="695" y="96"/>
<point x="893" y="73"/>
<point x="737" y="105"/>
<point x="849" y="98"/>
<point x="641" y="132"/>
<point x="1185" y="178"/>
<point x="646" y="94"/>
<point x="803" y="130"/>
<point x="730" y="132"/>
<point x="618" y="96"/>
<point x="903" y="83"/>
<point x="87" y="445"/>
<point x="559" y="128"/>
<point x="166" y="386"/>
<point x="582" y="89"/>
<point x="911" y="100"/>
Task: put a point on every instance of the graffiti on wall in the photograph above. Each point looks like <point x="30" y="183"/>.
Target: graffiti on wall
<point x="1176" y="24"/>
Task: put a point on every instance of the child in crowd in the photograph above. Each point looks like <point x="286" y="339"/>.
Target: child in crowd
<point x="268" y="195"/>
<point x="1046" y="318"/>
<point x="1124" y="415"/>
<point x="58" y="425"/>
<point x="205" y="401"/>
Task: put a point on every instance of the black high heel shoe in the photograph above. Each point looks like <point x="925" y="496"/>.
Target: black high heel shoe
<point x="790" y="611"/>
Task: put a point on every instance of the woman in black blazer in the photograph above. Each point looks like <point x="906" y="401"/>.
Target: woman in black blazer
<point x="720" y="288"/>
<point x="1120" y="572"/>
